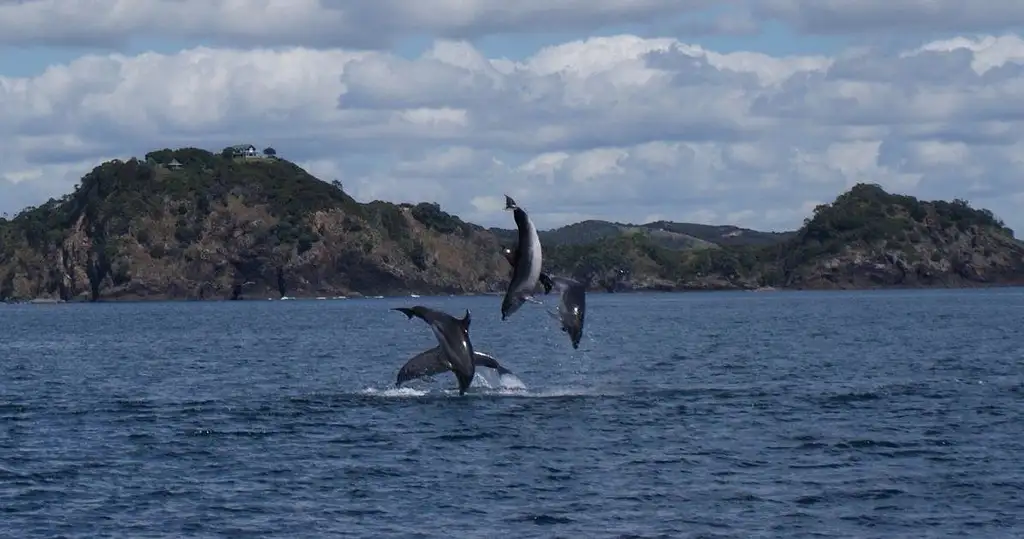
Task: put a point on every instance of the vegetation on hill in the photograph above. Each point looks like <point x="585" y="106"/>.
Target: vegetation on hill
<point x="865" y="238"/>
<point x="222" y="227"/>
<point x="869" y="237"/>
<point x="188" y="223"/>
<point x="668" y="234"/>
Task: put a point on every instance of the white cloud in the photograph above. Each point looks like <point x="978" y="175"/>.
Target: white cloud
<point x="617" y="127"/>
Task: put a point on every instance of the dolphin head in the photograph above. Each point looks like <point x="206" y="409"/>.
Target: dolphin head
<point x="510" y="204"/>
<point x="575" y="332"/>
<point x="464" y="381"/>
<point x="510" y="304"/>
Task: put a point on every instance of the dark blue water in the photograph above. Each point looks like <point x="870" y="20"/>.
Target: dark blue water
<point x="867" y="414"/>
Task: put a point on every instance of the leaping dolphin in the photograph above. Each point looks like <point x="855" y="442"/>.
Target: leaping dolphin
<point x="527" y="255"/>
<point x="572" y="304"/>
<point x="454" y="346"/>
<point x="431" y="362"/>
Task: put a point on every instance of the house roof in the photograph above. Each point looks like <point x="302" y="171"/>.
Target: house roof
<point x="174" y="163"/>
<point x="242" y="147"/>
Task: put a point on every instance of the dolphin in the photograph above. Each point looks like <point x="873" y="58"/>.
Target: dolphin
<point x="572" y="306"/>
<point x="527" y="255"/>
<point x="432" y="361"/>
<point x="454" y="347"/>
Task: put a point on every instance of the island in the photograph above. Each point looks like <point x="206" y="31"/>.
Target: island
<point x="192" y="224"/>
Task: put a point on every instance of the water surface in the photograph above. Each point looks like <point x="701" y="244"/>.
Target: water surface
<point x="793" y="414"/>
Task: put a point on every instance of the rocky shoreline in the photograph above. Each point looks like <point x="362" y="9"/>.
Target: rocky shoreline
<point x="947" y="285"/>
<point x="216" y="229"/>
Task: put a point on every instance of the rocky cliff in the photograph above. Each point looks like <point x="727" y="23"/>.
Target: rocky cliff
<point x="869" y="238"/>
<point x="222" y="228"/>
<point x="191" y="224"/>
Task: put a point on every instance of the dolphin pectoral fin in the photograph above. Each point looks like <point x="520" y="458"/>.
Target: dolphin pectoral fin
<point x="481" y="359"/>
<point x="425" y="364"/>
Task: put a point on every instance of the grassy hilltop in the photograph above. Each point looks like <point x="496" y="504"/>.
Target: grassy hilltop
<point x="222" y="227"/>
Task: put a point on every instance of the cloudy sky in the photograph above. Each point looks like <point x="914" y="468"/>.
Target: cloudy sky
<point x="745" y="112"/>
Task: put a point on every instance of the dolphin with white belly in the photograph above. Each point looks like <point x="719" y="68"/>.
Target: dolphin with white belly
<point x="572" y="304"/>
<point x="527" y="256"/>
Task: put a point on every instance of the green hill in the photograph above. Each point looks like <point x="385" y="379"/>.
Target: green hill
<point x="678" y="236"/>
<point x="225" y="227"/>
<point x="869" y="237"/>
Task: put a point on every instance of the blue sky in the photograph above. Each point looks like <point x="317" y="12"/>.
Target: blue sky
<point x="744" y="112"/>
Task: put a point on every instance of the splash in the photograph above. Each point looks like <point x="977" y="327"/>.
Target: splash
<point x="489" y="379"/>
<point x="510" y="387"/>
<point x="394" y="392"/>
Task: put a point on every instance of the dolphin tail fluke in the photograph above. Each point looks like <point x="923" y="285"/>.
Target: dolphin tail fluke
<point x="481" y="359"/>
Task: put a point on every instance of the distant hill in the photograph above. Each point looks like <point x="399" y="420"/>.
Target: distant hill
<point x="680" y="236"/>
<point x="871" y="238"/>
<point x="189" y="223"/>
<point x="221" y="227"/>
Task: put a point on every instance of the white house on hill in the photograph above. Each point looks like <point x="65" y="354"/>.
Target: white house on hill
<point x="245" y="150"/>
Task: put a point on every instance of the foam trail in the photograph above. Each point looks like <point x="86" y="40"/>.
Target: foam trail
<point x="394" y="392"/>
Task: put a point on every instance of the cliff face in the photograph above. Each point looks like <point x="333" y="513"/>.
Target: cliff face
<point x="869" y="238"/>
<point x="218" y="227"/>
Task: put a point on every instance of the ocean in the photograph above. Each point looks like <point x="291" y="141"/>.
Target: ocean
<point x="788" y="414"/>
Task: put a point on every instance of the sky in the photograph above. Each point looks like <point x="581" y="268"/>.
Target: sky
<point x="742" y="112"/>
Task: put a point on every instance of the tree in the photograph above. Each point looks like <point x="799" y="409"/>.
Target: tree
<point x="227" y="153"/>
<point x="269" y="152"/>
<point x="337" y="185"/>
